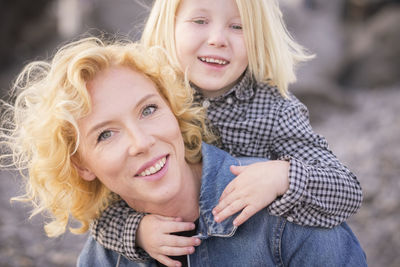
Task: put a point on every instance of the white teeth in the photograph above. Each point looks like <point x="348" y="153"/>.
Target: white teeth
<point x="155" y="168"/>
<point x="213" y="60"/>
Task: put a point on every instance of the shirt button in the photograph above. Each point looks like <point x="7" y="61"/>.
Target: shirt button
<point x="289" y="219"/>
<point x="229" y="100"/>
<point x="206" y="103"/>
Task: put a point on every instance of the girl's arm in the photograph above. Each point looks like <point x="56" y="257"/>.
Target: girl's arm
<point x="120" y="229"/>
<point x="116" y="230"/>
<point x="322" y="191"/>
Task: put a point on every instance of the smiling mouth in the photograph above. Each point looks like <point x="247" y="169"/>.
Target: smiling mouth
<point x="153" y="169"/>
<point x="213" y="60"/>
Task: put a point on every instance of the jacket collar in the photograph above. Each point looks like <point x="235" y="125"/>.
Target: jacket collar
<point x="215" y="176"/>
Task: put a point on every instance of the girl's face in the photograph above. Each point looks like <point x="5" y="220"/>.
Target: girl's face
<point x="210" y="44"/>
<point x="131" y="140"/>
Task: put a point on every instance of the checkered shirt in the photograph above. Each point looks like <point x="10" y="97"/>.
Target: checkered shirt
<point x="253" y="119"/>
<point x="116" y="230"/>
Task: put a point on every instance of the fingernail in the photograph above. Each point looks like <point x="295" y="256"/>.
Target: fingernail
<point x="197" y="241"/>
<point x="216" y="218"/>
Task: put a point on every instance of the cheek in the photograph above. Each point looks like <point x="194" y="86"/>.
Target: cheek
<point x="171" y="131"/>
<point x="178" y="43"/>
<point x="182" y="57"/>
<point x="239" y="46"/>
<point x="185" y="50"/>
<point x="112" y="174"/>
<point x="173" y="128"/>
<point x="107" y="163"/>
<point x="243" y="51"/>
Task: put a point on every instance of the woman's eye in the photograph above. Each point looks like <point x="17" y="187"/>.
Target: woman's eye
<point x="148" y="110"/>
<point x="104" y="136"/>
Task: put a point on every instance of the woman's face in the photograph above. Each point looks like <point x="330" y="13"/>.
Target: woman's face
<point x="131" y="140"/>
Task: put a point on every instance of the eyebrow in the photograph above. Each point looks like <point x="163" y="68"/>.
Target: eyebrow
<point x="202" y="9"/>
<point x="95" y="128"/>
<point x="196" y="10"/>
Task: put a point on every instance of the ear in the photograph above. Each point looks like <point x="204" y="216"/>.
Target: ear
<point x="83" y="171"/>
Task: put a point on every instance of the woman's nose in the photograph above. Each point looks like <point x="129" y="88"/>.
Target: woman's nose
<point x="140" y="142"/>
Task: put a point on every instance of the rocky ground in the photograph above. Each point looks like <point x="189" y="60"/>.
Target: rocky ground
<point x="352" y="90"/>
<point x="366" y="137"/>
<point x="22" y="241"/>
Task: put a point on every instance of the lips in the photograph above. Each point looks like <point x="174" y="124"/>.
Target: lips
<point x="154" y="170"/>
<point x="156" y="167"/>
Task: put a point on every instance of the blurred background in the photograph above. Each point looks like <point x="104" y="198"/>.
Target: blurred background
<point x="352" y="90"/>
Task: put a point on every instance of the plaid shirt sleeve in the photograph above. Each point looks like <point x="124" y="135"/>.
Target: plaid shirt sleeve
<point x="322" y="191"/>
<point x="116" y="230"/>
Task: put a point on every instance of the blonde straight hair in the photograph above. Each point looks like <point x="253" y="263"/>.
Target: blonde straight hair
<point x="41" y="136"/>
<point x="272" y="52"/>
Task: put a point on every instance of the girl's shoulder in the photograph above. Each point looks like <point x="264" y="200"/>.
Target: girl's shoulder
<point x="269" y="99"/>
<point x="271" y="95"/>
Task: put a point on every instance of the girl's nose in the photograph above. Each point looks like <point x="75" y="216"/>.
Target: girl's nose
<point x="217" y="38"/>
<point x="140" y="142"/>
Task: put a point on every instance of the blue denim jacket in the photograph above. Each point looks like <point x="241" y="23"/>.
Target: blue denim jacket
<point x="263" y="240"/>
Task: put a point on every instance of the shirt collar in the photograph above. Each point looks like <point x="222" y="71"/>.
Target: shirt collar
<point x="243" y="90"/>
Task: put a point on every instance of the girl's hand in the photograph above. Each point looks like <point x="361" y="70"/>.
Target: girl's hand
<point x="154" y="236"/>
<point x="254" y="188"/>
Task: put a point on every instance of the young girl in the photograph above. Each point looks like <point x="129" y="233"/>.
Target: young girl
<point x="240" y="59"/>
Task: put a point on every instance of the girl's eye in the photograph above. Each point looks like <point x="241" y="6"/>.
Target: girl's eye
<point x="237" y="27"/>
<point x="200" y="21"/>
<point x="148" y="110"/>
<point x="104" y="136"/>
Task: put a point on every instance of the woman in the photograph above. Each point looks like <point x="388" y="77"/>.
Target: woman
<point x="102" y="123"/>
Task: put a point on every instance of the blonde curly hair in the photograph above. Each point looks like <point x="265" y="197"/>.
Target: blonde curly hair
<point x="40" y="133"/>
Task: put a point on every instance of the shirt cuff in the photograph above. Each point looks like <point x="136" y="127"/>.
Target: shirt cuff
<point x="298" y="176"/>
<point x="132" y="251"/>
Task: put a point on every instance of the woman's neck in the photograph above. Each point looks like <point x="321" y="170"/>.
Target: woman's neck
<point x="185" y="204"/>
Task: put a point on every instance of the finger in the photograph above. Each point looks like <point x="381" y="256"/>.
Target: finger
<point x="237" y="170"/>
<point x="228" y="190"/>
<point x="178" y="219"/>
<point x="229" y="210"/>
<point x="246" y="213"/>
<point x="167" y="261"/>
<point x="176" y="251"/>
<point x="168" y="219"/>
<point x="174" y="227"/>
<point x="228" y="199"/>
<point x="181" y="241"/>
<point x="223" y="203"/>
